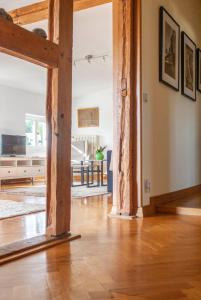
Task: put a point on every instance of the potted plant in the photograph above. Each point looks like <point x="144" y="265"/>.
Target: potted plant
<point x="99" y="153"/>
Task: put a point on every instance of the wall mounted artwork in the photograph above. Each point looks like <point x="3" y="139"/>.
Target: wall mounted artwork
<point x="88" y="117"/>
<point x="169" y="50"/>
<point x="188" y="63"/>
<point x="199" y="70"/>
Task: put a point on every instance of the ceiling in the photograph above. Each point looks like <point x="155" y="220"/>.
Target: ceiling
<point x="92" y="35"/>
<point x="12" y="4"/>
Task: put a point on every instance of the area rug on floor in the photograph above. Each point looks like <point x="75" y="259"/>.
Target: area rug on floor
<point x="40" y="191"/>
<point x="9" y="209"/>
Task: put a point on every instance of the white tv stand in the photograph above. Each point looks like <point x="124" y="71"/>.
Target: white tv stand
<point x="21" y="167"/>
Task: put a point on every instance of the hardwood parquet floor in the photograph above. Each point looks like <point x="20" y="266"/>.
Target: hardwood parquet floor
<point x="156" y="258"/>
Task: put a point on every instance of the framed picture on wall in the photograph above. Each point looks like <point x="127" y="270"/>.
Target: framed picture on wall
<point x="169" y="42"/>
<point x="188" y="63"/>
<point x="199" y="70"/>
<point x="88" y="117"/>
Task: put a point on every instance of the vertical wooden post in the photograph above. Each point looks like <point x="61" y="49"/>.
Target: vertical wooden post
<point x="59" y="101"/>
<point x="127" y="107"/>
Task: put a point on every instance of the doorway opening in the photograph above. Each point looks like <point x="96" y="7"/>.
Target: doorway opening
<point x="126" y="166"/>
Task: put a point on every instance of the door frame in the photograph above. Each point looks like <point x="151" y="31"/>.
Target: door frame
<point x="56" y="56"/>
<point x="127" y="107"/>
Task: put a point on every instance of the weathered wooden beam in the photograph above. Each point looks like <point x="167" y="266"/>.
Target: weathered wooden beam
<point x="59" y="106"/>
<point x="30" y="13"/>
<point x="39" y="11"/>
<point x="85" y="4"/>
<point x="30" y="246"/>
<point x="127" y="107"/>
<point x="21" y="43"/>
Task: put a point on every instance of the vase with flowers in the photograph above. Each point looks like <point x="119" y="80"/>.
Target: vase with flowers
<point x="99" y="153"/>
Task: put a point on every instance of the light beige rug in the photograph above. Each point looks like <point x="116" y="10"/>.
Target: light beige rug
<point x="9" y="209"/>
<point x="40" y="191"/>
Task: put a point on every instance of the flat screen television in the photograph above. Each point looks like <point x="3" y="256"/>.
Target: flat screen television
<point x="13" y="145"/>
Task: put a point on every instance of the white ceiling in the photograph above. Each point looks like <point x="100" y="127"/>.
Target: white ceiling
<point x="92" y="35"/>
<point x="12" y="4"/>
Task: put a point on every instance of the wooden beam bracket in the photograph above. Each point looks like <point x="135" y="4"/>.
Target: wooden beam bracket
<point x="21" y="43"/>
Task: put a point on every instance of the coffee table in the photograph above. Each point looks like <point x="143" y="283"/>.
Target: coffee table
<point x="88" y="171"/>
<point x="96" y="167"/>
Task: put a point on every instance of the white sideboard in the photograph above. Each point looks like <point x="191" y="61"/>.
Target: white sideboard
<point x="22" y="167"/>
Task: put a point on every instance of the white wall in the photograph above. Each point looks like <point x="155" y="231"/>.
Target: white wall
<point x="14" y="104"/>
<point x="171" y="122"/>
<point x="103" y="100"/>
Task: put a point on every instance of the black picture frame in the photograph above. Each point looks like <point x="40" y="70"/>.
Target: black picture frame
<point x="169" y="30"/>
<point x="198" y="57"/>
<point x="188" y="82"/>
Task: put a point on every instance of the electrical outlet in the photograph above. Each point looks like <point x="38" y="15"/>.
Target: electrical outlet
<point x="147" y="186"/>
<point x="145" y="97"/>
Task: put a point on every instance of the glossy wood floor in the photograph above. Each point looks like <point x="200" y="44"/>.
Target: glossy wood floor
<point x="157" y="258"/>
<point x="15" y="229"/>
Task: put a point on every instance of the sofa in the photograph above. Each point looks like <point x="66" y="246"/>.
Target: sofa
<point x="109" y="172"/>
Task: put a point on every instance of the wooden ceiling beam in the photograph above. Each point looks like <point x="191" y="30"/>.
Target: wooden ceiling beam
<point x="39" y="11"/>
<point x="30" y="14"/>
<point x="21" y="43"/>
<point x="85" y="4"/>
